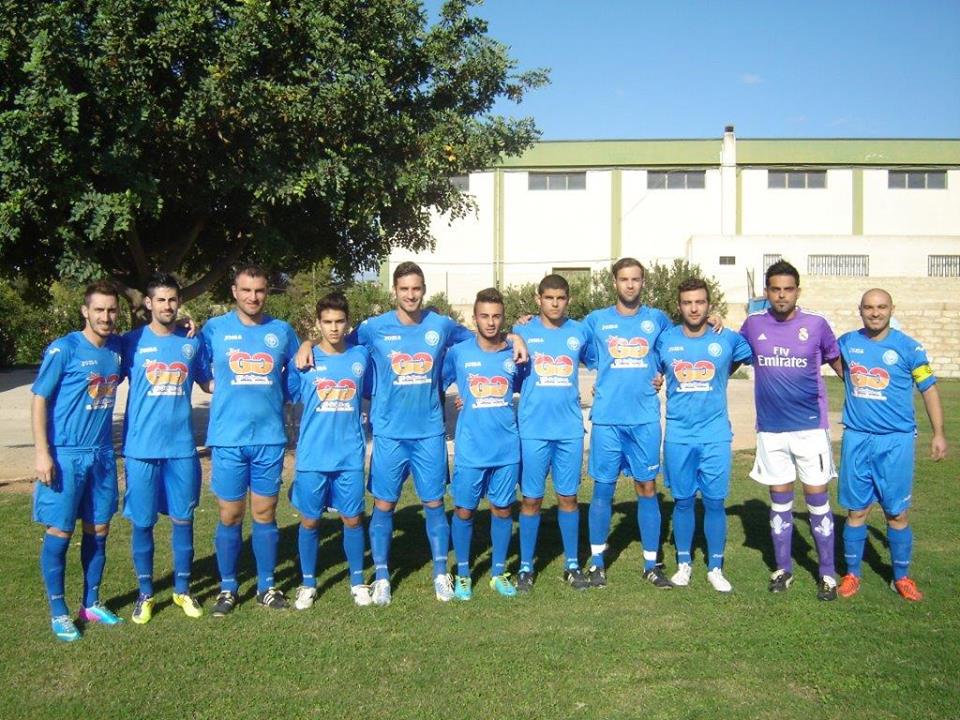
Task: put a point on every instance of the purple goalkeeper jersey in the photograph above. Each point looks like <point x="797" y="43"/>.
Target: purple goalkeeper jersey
<point x="788" y="389"/>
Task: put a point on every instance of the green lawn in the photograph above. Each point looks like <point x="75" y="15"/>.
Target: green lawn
<point x="628" y="651"/>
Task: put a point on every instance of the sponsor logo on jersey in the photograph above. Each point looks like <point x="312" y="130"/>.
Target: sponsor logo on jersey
<point x="782" y="357"/>
<point x="694" y="376"/>
<point x="553" y="371"/>
<point x="271" y="340"/>
<point x="432" y="338"/>
<point x="411" y="369"/>
<point x="335" y="395"/>
<point x="102" y="390"/>
<point x="488" y="392"/>
<point x="165" y="379"/>
<point x="628" y="353"/>
<point x="868" y="383"/>
<point x="250" y="368"/>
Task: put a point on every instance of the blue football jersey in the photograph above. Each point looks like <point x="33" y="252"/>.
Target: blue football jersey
<point x="407" y="362"/>
<point x="331" y="432"/>
<point x="878" y="377"/>
<point x="624" y="355"/>
<point x="248" y="363"/>
<point x="79" y="381"/>
<point x="696" y="371"/>
<point x="161" y="370"/>
<point x="487" y="427"/>
<point x="550" y="390"/>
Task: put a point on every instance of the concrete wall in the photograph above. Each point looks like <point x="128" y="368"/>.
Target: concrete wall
<point x="786" y="211"/>
<point x="910" y="212"/>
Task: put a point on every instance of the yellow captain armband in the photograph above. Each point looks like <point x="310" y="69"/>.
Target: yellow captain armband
<point x="922" y="373"/>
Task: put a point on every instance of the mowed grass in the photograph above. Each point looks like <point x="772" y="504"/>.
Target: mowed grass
<point x="624" y="652"/>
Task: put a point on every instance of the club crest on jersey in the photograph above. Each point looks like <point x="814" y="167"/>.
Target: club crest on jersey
<point x="868" y="383"/>
<point x="553" y="371"/>
<point x="411" y="369"/>
<point x="647" y="326"/>
<point x="573" y="343"/>
<point x="102" y="390"/>
<point x="187" y="351"/>
<point x="802" y="334"/>
<point x="357" y="369"/>
<point x="271" y="340"/>
<point x="694" y="376"/>
<point x="509" y="365"/>
<point x="334" y="395"/>
<point x="890" y="357"/>
<point x="164" y="379"/>
<point x="715" y="349"/>
<point x="628" y="353"/>
<point x="488" y="392"/>
<point x="250" y="368"/>
<point x="432" y="338"/>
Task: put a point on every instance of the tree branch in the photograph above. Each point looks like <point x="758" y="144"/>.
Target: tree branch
<point x="217" y="270"/>
<point x="136" y="251"/>
<point x="178" y="253"/>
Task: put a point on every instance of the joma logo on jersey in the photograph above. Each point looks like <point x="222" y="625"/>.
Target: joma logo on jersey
<point x="869" y="378"/>
<point x="244" y="363"/>
<point x="417" y="364"/>
<point x="334" y="391"/>
<point x="622" y="348"/>
<point x="147" y="350"/>
<point x="159" y="373"/>
<point x="701" y="371"/>
<point x="550" y="366"/>
<point x="488" y="387"/>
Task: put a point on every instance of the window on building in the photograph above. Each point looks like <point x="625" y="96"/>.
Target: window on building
<point x="943" y="265"/>
<point x="676" y="179"/>
<point x="797" y="179"/>
<point x="557" y="181"/>
<point x="917" y="179"/>
<point x="728" y="260"/>
<point x="839" y="265"/>
<point x="572" y="273"/>
<point x="461" y="182"/>
<point x="771" y="258"/>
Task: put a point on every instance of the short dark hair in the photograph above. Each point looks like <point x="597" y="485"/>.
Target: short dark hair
<point x="781" y="267"/>
<point x="693" y="283"/>
<point x="100" y="287"/>
<point x="250" y="270"/>
<point x="488" y="295"/>
<point x="405" y="268"/>
<point x="554" y="282"/>
<point x="628" y="262"/>
<point x="161" y="279"/>
<point x="333" y="301"/>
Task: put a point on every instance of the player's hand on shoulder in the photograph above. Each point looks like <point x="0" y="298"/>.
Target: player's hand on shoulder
<point x="520" y="354"/>
<point x="304" y="357"/>
<point x="716" y="322"/>
<point x="523" y="319"/>
<point x="187" y="323"/>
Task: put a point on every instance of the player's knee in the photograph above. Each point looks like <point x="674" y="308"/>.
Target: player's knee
<point x="464" y="513"/>
<point x="501" y="511"/>
<point x="897" y="522"/>
<point x="309" y="523"/>
<point x="57" y="532"/>
<point x="352" y="521"/>
<point x="857" y="517"/>
<point x="567" y="503"/>
<point x="530" y="506"/>
<point x="646" y="489"/>
<point x="433" y="503"/>
<point x="96" y="529"/>
<point x="384" y="505"/>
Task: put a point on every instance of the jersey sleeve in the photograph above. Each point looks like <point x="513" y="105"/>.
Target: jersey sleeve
<point x="293" y="381"/>
<point x="206" y="350"/>
<point x="920" y="368"/>
<point x="55" y="359"/>
<point x="458" y="333"/>
<point x="201" y="363"/>
<point x="742" y="353"/>
<point x="591" y="357"/>
<point x="663" y="320"/>
<point x="449" y="374"/>
<point x="829" y="349"/>
<point x="128" y="348"/>
<point x="658" y="352"/>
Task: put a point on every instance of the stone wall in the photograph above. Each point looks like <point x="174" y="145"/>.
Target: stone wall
<point x="926" y="308"/>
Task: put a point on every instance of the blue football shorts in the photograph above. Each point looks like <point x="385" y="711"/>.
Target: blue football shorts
<point x="563" y="459"/>
<point x="498" y="484"/>
<point x="633" y="450"/>
<point x="170" y="486"/>
<point x="256" y="468"/>
<point x="393" y="460"/>
<point x="691" y="468"/>
<point x="314" y="492"/>
<point x="876" y="469"/>
<point x="84" y="486"/>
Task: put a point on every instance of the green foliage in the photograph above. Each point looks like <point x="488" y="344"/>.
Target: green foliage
<point x="366" y="300"/>
<point x="439" y="302"/>
<point x="662" y="282"/>
<point x="189" y="135"/>
<point x="589" y="293"/>
<point x="519" y="300"/>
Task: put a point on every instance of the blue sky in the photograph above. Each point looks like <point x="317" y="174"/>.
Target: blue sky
<point x="684" y="69"/>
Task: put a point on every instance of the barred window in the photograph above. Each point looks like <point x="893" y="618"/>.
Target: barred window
<point x="797" y="179"/>
<point x="557" y="181"/>
<point x="676" y="179"/>
<point x="917" y="179"/>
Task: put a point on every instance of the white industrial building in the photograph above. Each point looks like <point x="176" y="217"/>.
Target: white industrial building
<point x="835" y="208"/>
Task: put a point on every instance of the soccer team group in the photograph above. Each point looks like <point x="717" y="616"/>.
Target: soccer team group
<point x="403" y="360"/>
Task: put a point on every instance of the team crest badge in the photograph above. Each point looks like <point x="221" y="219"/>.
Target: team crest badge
<point x="357" y="369"/>
<point x="803" y="334"/>
<point x="509" y="365"/>
<point x="715" y="349"/>
<point x="573" y="343"/>
<point x="432" y="337"/>
<point x="890" y="357"/>
<point x="271" y="340"/>
<point x="187" y="351"/>
<point x="647" y="326"/>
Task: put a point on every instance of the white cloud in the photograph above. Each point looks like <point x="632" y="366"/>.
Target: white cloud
<point x="751" y="79"/>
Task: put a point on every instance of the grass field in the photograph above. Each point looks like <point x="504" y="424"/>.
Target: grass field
<point x="624" y="652"/>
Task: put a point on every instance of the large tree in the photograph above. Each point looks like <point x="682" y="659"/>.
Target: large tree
<point x="186" y="135"/>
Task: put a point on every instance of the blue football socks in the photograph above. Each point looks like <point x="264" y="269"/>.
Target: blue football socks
<point x="569" y="521"/>
<point x="182" y="545"/>
<point x="141" y="544"/>
<point x="648" y="518"/>
<point x="308" y="545"/>
<point x="438" y="531"/>
<point x="683" y="523"/>
<point x="354" y="544"/>
<point x="265" y="537"/>
<point x="501" y="528"/>
<point x="227" y="540"/>
<point x="529" y="529"/>
<point x="598" y="519"/>
<point x="461" y="532"/>
<point x="715" y="529"/>
<point x="854" y="540"/>
<point x="53" y="560"/>
<point x="901" y="548"/>
<point x="381" y="535"/>
<point x="93" y="558"/>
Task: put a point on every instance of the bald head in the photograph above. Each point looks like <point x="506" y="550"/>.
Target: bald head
<point x="876" y="308"/>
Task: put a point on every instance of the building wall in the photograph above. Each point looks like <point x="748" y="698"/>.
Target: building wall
<point x="910" y="212"/>
<point x="786" y="211"/>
